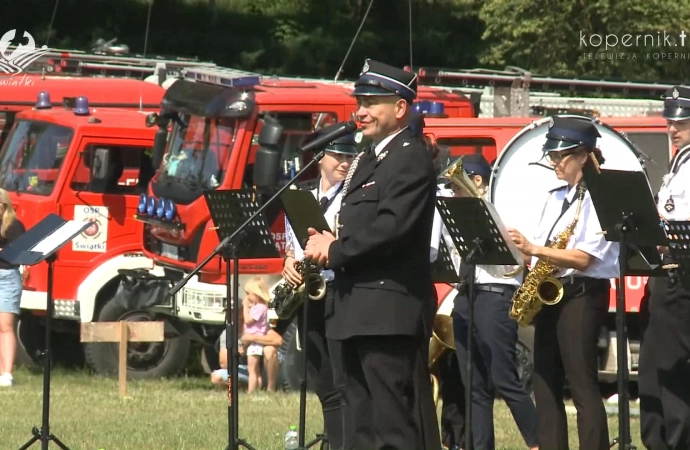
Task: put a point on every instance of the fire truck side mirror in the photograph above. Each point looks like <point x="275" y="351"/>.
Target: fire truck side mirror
<point x="267" y="163"/>
<point x="159" y="142"/>
<point x="100" y="165"/>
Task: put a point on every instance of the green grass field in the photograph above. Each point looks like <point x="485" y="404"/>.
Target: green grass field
<point x="87" y="413"/>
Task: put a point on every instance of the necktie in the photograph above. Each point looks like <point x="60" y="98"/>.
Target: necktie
<point x="324" y="204"/>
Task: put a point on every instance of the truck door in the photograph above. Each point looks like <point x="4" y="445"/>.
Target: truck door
<point x="109" y="203"/>
<point x="470" y="142"/>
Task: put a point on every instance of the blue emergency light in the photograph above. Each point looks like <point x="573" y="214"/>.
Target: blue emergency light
<point x="43" y="100"/>
<point x="81" y="106"/>
<point x="169" y="210"/>
<point x="160" y="204"/>
<point x="429" y="108"/>
<point x="151" y="207"/>
<point x="142" y="204"/>
<point x="223" y="76"/>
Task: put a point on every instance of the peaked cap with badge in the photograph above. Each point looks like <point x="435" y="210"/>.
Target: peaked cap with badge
<point x="677" y="103"/>
<point x="345" y="145"/>
<point x="570" y="132"/>
<point x="378" y="79"/>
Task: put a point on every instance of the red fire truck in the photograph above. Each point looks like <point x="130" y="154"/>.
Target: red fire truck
<point x="54" y="125"/>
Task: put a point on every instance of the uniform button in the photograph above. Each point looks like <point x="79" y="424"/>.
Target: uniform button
<point x="343" y="204"/>
<point x="381" y="283"/>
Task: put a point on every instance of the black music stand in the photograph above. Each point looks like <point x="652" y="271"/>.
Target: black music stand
<point x="304" y="212"/>
<point x="627" y="214"/>
<point x="229" y="209"/>
<point x="41" y="243"/>
<point x="442" y="269"/>
<point x="481" y="238"/>
<point x="679" y="246"/>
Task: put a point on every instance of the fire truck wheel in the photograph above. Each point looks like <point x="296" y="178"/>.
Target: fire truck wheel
<point x="29" y="341"/>
<point x="144" y="359"/>
<point x="525" y="356"/>
<point x="291" y="362"/>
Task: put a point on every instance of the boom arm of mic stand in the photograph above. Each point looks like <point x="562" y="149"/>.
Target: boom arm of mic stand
<point x="180" y="284"/>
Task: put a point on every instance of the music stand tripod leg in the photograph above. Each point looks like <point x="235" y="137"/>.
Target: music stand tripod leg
<point x="231" y="342"/>
<point x="44" y="433"/>
<point x="624" y="439"/>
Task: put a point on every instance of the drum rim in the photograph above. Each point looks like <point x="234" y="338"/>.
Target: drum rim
<point x="537" y="123"/>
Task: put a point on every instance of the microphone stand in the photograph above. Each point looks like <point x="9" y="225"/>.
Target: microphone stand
<point x="228" y="245"/>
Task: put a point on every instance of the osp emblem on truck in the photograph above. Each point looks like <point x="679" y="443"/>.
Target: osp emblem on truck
<point x="14" y="62"/>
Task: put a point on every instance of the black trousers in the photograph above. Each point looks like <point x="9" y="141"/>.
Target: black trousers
<point x="664" y="370"/>
<point x="388" y="390"/>
<point x="565" y="345"/>
<point x="493" y="364"/>
<point x="324" y="359"/>
<point x="452" y="393"/>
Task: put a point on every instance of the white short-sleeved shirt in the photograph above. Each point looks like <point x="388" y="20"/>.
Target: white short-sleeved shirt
<point x="334" y="195"/>
<point x="674" y="195"/>
<point x="483" y="274"/>
<point x="586" y="237"/>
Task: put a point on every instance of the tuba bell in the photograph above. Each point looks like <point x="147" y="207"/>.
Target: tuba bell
<point x="442" y="339"/>
<point x="456" y="175"/>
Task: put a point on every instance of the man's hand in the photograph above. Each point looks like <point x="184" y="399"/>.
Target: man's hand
<point x="318" y="245"/>
<point x="290" y="273"/>
<point x="521" y="242"/>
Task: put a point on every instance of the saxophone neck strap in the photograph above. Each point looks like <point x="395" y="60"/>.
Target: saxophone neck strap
<point x="582" y="188"/>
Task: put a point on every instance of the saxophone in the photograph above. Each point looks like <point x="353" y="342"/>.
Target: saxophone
<point x="539" y="287"/>
<point x="288" y="298"/>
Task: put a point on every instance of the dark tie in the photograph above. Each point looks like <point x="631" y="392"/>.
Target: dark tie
<point x="324" y="204"/>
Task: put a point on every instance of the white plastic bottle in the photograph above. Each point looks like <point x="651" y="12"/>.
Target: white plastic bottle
<point x="292" y="439"/>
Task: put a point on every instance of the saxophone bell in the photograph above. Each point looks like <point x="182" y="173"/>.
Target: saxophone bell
<point x="550" y="291"/>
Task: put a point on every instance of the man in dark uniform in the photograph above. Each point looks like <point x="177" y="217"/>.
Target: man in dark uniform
<point x="385" y="300"/>
<point x="664" y="367"/>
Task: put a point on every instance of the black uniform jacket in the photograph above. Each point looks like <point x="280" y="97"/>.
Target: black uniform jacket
<point x="381" y="258"/>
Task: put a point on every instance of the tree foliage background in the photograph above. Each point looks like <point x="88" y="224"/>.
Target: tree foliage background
<point x="311" y="37"/>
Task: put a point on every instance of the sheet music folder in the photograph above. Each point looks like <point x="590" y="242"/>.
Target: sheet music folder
<point x="616" y="193"/>
<point x="42" y="240"/>
<point x="303" y="212"/>
<point x="468" y="218"/>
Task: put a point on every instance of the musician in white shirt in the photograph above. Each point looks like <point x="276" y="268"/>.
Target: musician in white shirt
<point x="324" y="355"/>
<point x="566" y="334"/>
<point x="494" y="366"/>
<point x="664" y="367"/>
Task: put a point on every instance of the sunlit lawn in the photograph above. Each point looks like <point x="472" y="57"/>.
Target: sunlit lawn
<point x="87" y="413"/>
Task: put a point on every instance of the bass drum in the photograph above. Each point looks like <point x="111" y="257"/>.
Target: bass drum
<point x="522" y="178"/>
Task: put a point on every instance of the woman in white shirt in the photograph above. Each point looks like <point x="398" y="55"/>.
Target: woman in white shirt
<point x="566" y="334"/>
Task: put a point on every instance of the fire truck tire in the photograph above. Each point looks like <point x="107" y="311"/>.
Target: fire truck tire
<point x="291" y="362"/>
<point x="144" y="360"/>
<point x="29" y="341"/>
<point x="525" y="356"/>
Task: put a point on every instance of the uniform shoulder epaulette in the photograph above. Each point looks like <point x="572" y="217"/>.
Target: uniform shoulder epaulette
<point x="558" y="188"/>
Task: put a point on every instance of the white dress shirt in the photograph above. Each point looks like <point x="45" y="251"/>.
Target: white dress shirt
<point x="483" y="274"/>
<point x="334" y="193"/>
<point x="385" y="141"/>
<point x="675" y="191"/>
<point x="586" y="237"/>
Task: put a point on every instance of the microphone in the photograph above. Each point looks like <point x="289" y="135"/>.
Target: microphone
<point x="330" y="134"/>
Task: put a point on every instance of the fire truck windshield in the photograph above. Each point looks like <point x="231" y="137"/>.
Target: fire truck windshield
<point x="33" y="155"/>
<point x="195" y="159"/>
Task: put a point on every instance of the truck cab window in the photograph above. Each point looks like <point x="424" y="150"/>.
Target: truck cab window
<point x="129" y="170"/>
<point x="297" y="126"/>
